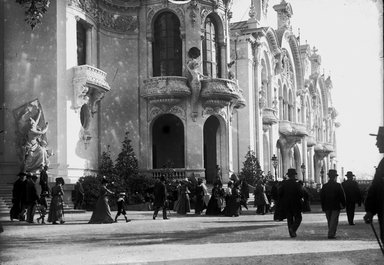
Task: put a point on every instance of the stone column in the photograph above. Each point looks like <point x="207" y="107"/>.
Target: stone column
<point x="245" y="75"/>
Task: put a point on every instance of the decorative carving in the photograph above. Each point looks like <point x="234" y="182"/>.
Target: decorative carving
<point x="85" y="137"/>
<point x="89" y="86"/>
<point x="165" y="91"/>
<point x="31" y="139"/>
<point x="35" y="9"/>
<point x="176" y="110"/>
<point x="108" y="19"/>
<point x="269" y="116"/>
<point x="208" y="111"/>
<point x="193" y="76"/>
<point x="118" y="23"/>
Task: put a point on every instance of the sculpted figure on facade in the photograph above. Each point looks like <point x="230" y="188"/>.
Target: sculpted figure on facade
<point x="31" y="136"/>
<point x="194" y="75"/>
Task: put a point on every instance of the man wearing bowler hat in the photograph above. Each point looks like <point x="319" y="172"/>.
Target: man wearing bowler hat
<point x="352" y="196"/>
<point x="290" y="195"/>
<point x="332" y="201"/>
<point x="374" y="203"/>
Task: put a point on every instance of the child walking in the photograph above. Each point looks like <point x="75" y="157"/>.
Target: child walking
<point x="42" y="206"/>
<point x="121" y="207"/>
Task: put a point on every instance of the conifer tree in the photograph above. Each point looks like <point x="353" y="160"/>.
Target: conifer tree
<point x="126" y="163"/>
<point x="106" y="167"/>
<point x="251" y="167"/>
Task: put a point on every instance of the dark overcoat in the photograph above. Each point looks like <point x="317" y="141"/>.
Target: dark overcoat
<point x="352" y="191"/>
<point x="332" y="196"/>
<point x="290" y="195"/>
<point x="160" y="194"/>
<point x="374" y="202"/>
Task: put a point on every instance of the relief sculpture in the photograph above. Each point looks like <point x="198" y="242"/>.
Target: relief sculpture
<point x="31" y="140"/>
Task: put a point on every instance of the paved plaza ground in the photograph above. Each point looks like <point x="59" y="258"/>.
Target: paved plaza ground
<point x="248" y="239"/>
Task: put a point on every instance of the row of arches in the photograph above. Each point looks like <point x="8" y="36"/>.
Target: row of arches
<point x="168" y="143"/>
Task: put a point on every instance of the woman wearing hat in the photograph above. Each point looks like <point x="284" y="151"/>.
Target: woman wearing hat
<point x="102" y="212"/>
<point x="56" y="209"/>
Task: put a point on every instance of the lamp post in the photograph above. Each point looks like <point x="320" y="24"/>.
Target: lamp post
<point x="322" y="173"/>
<point x="303" y="171"/>
<point x="275" y="162"/>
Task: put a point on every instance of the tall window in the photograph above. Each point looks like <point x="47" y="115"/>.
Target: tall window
<point x="81" y="43"/>
<point x="211" y="51"/>
<point x="167" y="47"/>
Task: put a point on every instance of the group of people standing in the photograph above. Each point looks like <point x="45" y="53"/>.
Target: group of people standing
<point x="26" y="200"/>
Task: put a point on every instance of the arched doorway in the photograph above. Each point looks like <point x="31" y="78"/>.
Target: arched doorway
<point x="211" y="144"/>
<point x="168" y="142"/>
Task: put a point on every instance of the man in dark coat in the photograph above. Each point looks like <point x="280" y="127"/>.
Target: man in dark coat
<point x="374" y="203"/>
<point x="160" y="198"/>
<point x="291" y="194"/>
<point x="332" y="201"/>
<point x="31" y="197"/>
<point x="18" y="194"/>
<point x="352" y="196"/>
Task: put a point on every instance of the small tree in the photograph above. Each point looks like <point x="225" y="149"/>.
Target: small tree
<point x="106" y="167"/>
<point x="126" y="162"/>
<point x="251" y="170"/>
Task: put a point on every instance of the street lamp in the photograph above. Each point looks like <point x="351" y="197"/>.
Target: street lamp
<point x="322" y="173"/>
<point x="303" y="171"/>
<point x="275" y="162"/>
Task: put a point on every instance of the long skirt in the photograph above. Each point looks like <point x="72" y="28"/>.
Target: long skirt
<point x="56" y="211"/>
<point x="102" y="213"/>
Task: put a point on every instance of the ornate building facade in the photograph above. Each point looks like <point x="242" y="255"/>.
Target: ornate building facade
<point x="192" y="89"/>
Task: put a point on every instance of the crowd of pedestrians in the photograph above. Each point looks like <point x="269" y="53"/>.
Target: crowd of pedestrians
<point x="286" y="199"/>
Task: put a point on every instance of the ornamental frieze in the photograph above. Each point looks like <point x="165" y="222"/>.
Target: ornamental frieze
<point x="107" y="19"/>
<point x="118" y="23"/>
<point x="156" y="111"/>
<point x="208" y="111"/>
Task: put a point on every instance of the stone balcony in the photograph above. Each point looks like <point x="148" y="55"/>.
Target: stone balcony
<point x="269" y="116"/>
<point x="89" y="86"/>
<point x="323" y="149"/>
<point x="288" y="128"/>
<point x="218" y="92"/>
<point x="165" y="89"/>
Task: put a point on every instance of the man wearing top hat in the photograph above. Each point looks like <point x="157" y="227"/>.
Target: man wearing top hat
<point x="352" y="196"/>
<point x="332" y="201"/>
<point x="290" y="195"/>
<point x="374" y="203"/>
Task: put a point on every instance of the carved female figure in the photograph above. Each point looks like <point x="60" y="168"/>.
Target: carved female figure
<point x="35" y="153"/>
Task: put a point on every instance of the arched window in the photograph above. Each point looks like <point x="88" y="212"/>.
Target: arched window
<point x="167" y="46"/>
<point x="211" y="51"/>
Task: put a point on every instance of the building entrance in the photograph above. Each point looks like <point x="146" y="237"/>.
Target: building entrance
<point x="168" y="142"/>
<point x="211" y="143"/>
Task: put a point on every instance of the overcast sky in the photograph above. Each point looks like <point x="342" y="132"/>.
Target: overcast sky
<point x="348" y="36"/>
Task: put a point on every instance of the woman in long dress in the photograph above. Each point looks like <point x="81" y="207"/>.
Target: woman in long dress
<point x="183" y="205"/>
<point x="102" y="212"/>
<point x="56" y="208"/>
<point x="214" y="204"/>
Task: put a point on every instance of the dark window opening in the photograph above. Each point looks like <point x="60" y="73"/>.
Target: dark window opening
<point x="167" y="47"/>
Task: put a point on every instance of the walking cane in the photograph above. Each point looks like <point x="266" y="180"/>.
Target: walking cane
<point x="377" y="237"/>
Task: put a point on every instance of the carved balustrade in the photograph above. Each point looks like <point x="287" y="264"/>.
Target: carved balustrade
<point x="269" y="116"/>
<point x="288" y="128"/>
<point x="89" y="86"/>
<point x="165" y="90"/>
<point x="218" y="92"/>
